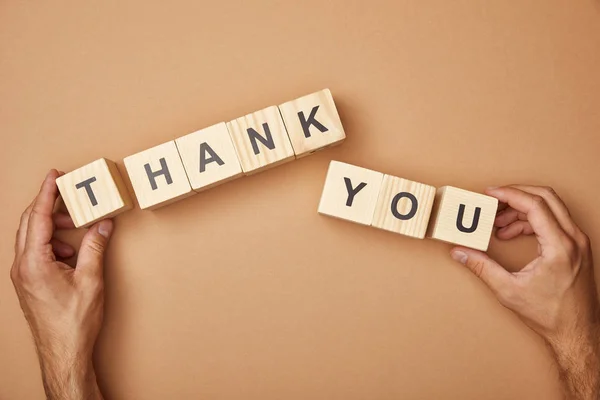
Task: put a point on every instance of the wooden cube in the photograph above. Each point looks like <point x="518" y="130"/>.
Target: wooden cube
<point x="463" y="217"/>
<point x="403" y="206"/>
<point x="312" y="122"/>
<point x="260" y="140"/>
<point x="94" y="192"/>
<point x="350" y="192"/>
<point x="209" y="157"/>
<point x="157" y="176"/>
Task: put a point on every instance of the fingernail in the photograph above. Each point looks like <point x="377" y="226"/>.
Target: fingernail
<point x="459" y="256"/>
<point x="492" y="187"/>
<point x="105" y="227"/>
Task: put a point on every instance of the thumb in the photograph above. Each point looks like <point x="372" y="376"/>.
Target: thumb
<point x="93" y="246"/>
<point x="489" y="271"/>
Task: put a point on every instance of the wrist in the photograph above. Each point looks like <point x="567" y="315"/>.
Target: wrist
<point x="69" y="376"/>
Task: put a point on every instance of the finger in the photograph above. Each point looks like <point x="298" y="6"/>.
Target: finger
<point x="499" y="280"/>
<point x="93" y="246"/>
<point x="40" y="227"/>
<point x="22" y="231"/>
<point x="539" y="215"/>
<point x="556" y="205"/>
<point x="62" y="249"/>
<point x="63" y="221"/>
<point x="513" y="230"/>
<point x="508" y="216"/>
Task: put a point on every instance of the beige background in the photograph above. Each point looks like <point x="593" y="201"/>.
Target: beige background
<point x="244" y="292"/>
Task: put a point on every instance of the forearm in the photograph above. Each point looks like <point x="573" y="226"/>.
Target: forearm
<point x="69" y="378"/>
<point x="578" y="360"/>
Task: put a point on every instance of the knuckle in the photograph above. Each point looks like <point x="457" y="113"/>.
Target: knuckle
<point x="583" y="240"/>
<point x="549" y="191"/>
<point x="477" y="267"/>
<point x="538" y="201"/>
<point x="96" y="247"/>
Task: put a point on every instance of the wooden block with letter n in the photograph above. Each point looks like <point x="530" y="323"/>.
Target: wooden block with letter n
<point x="350" y="192"/>
<point x="462" y="217"/>
<point x="93" y="192"/>
<point x="209" y="157"/>
<point x="404" y="206"/>
<point x="312" y="122"/>
<point x="260" y="140"/>
<point x="157" y="176"/>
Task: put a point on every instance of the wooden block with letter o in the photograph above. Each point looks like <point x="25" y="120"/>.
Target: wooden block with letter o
<point x="350" y="192"/>
<point x="312" y="122"/>
<point x="260" y="140"/>
<point x="404" y="206"/>
<point x="209" y="157"/>
<point x="157" y="176"/>
<point x="462" y="217"/>
<point x="94" y="192"/>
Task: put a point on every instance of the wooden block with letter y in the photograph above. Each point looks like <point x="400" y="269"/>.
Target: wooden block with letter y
<point x="93" y="192"/>
<point x="209" y="157"/>
<point x="157" y="176"/>
<point x="462" y="217"/>
<point x="404" y="206"/>
<point x="350" y="192"/>
<point x="312" y="122"/>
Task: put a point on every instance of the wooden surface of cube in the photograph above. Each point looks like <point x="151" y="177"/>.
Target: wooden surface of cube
<point x="260" y="140"/>
<point x="403" y="206"/>
<point x="209" y="157"/>
<point x="312" y="122"/>
<point x="157" y="176"/>
<point x="94" y="192"/>
<point x="463" y="217"/>
<point x="350" y="192"/>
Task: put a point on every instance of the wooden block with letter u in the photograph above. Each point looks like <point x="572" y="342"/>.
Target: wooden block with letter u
<point x="462" y="217"/>
<point x="157" y="176"/>
<point x="404" y="206"/>
<point x="93" y="192"/>
<point x="312" y="122"/>
<point x="350" y="192"/>
<point x="261" y="140"/>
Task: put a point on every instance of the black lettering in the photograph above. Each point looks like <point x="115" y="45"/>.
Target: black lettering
<point x="460" y="217"/>
<point x="413" y="207"/>
<point x="87" y="184"/>
<point x="164" y="170"/>
<point x="267" y="141"/>
<point x="352" y="191"/>
<point x="213" y="157"/>
<point x="306" y="123"/>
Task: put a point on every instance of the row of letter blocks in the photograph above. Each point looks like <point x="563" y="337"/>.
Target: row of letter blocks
<point x="204" y="159"/>
<point x="408" y="208"/>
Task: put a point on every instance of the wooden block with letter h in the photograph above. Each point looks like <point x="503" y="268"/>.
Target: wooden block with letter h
<point x="350" y="192"/>
<point x="312" y="122"/>
<point x="404" y="206"/>
<point x="260" y="140"/>
<point x="462" y="217"/>
<point x="158" y="176"/>
<point x="209" y="157"/>
<point x="94" y="192"/>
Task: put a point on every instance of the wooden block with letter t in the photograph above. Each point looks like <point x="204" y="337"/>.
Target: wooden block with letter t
<point x="462" y="217"/>
<point x="209" y="157"/>
<point x="312" y="122"/>
<point x="157" y="176"/>
<point x="404" y="206"/>
<point x="93" y="192"/>
<point x="260" y="140"/>
<point x="350" y="192"/>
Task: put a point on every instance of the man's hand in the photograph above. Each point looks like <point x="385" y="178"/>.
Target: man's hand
<point x="555" y="294"/>
<point x="62" y="305"/>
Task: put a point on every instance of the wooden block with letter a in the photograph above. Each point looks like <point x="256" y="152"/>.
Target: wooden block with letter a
<point x="462" y="217"/>
<point x="209" y="157"/>
<point x="404" y="206"/>
<point x="157" y="176"/>
<point x="350" y="192"/>
<point x="312" y="122"/>
<point x="94" y="192"/>
<point x="260" y="140"/>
